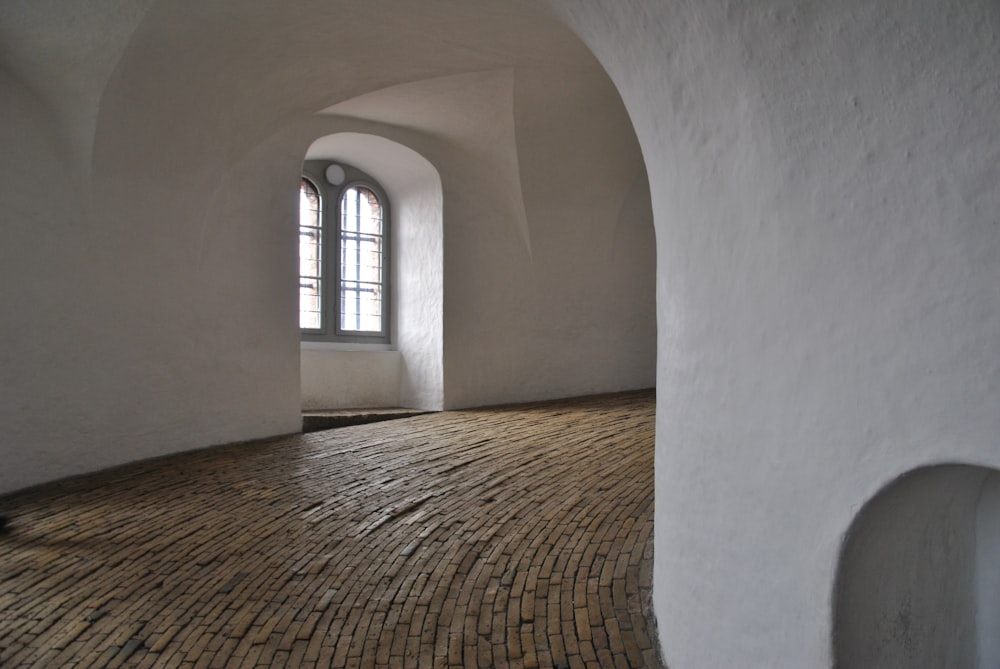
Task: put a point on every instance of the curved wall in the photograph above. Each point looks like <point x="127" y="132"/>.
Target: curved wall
<point x="823" y="182"/>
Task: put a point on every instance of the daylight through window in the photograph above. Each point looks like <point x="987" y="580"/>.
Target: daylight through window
<point x="360" y="261"/>
<point x="343" y="240"/>
<point x="310" y="258"/>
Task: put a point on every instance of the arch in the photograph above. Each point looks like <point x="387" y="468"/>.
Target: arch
<point x="917" y="582"/>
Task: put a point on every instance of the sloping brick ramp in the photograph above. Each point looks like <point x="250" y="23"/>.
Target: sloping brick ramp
<point x="503" y="537"/>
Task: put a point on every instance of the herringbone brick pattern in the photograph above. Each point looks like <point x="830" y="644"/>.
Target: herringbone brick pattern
<point x="505" y="537"/>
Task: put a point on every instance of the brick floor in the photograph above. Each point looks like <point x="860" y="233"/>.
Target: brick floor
<point x="507" y="537"/>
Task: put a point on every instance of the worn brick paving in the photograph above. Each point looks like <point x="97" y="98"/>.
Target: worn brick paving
<point x="505" y="537"/>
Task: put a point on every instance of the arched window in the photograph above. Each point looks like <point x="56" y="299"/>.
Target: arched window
<point x="310" y="257"/>
<point x="343" y="255"/>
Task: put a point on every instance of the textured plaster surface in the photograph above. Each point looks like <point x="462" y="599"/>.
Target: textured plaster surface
<point x="987" y="585"/>
<point x="823" y="179"/>
<point x="906" y="587"/>
<point x="350" y="379"/>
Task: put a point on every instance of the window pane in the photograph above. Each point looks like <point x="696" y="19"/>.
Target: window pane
<point x="361" y="255"/>
<point x="361" y="258"/>
<point x="361" y="211"/>
<point x="308" y="204"/>
<point x="310" y="304"/>
<point x="310" y="258"/>
<point x="360" y="306"/>
<point x="310" y="255"/>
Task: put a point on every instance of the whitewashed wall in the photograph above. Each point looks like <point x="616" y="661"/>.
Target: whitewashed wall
<point x="347" y="379"/>
<point x="150" y="162"/>
<point x="913" y="568"/>
<point x="136" y="320"/>
<point x="548" y="283"/>
<point x="824" y="180"/>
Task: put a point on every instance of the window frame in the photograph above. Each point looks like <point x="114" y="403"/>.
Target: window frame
<point x="331" y="197"/>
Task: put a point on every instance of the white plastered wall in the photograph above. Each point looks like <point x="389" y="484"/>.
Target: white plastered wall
<point x="987" y="584"/>
<point x="336" y="378"/>
<point x="918" y="584"/>
<point x="906" y="583"/>
<point x="151" y="303"/>
<point x="824" y="180"/>
<point x="128" y="301"/>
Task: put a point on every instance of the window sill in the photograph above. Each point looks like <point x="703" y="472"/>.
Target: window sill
<point x="344" y="346"/>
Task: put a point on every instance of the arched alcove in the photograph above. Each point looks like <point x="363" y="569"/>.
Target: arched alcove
<point x="410" y="374"/>
<point x="918" y="583"/>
